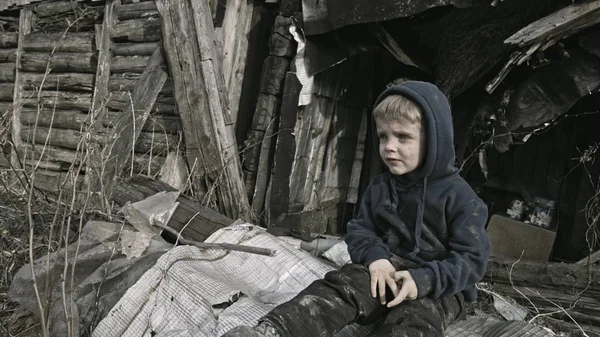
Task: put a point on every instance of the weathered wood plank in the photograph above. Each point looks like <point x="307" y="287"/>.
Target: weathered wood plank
<point x="64" y="81"/>
<point x="278" y="203"/>
<point x="198" y="84"/>
<point x="273" y="75"/>
<point x="265" y="155"/>
<point x="359" y="154"/>
<point x="7" y="72"/>
<point x="129" y="64"/>
<point x="566" y="21"/>
<point x="25" y="24"/>
<point x="81" y="42"/>
<point x="134" y="48"/>
<point x="199" y="222"/>
<point x="235" y="29"/>
<point x="60" y="62"/>
<point x="139" y="30"/>
<point x="126" y="82"/>
<point x="122" y="100"/>
<point x="128" y="126"/>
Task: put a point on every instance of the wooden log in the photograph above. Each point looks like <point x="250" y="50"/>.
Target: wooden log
<point x="7" y="91"/>
<point x="65" y="158"/>
<point x="147" y="142"/>
<point x="134" y="49"/>
<point x="129" y="64"/>
<point x="235" y="29"/>
<point x="590" y="259"/>
<point x="54" y="8"/>
<point x="8" y="55"/>
<point x="137" y="10"/>
<point x="60" y="62"/>
<point x="544" y="275"/>
<point x="199" y="222"/>
<point x="7" y="73"/>
<point x="75" y="120"/>
<point x="9" y="39"/>
<point x="125" y="130"/>
<point x="80" y="42"/>
<point x="64" y="81"/>
<point x="274" y="71"/>
<point x="278" y="203"/>
<point x="139" y="30"/>
<point x="282" y="42"/>
<point x="58" y="99"/>
<point x="126" y="82"/>
<point x="198" y="84"/>
<point x="5" y="107"/>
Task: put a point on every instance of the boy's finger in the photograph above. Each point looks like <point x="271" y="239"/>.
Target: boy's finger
<point x="392" y="284"/>
<point x="373" y="286"/>
<point x="382" y="290"/>
<point x="400" y="298"/>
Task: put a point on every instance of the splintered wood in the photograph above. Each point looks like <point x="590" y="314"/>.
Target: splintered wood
<point x="199" y="88"/>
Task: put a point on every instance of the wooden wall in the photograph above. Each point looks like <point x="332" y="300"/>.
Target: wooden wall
<point x="56" y="72"/>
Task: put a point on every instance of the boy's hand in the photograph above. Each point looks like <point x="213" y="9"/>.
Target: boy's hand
<point x="409" y="288"/>
<point x="382" y="273"/>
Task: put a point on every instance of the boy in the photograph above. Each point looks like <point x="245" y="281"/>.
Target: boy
<point x="418" y="245"/>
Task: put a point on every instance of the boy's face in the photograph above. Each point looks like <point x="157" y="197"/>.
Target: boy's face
<point x="401" y="145"/>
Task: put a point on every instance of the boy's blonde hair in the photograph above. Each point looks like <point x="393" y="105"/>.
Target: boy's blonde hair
<point x="398" y="107"/>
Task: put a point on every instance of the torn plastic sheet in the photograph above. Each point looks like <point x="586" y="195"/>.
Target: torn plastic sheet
<point x="177" y="297"/>
<point x="157" y="208"/>
<point x="102" y="275"/>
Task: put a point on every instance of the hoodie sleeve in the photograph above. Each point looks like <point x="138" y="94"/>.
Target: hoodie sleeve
<point x="364" y="237"/>
<point x="469" y="250"/>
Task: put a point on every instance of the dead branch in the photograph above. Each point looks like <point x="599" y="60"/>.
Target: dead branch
<point x="222" y="245"/>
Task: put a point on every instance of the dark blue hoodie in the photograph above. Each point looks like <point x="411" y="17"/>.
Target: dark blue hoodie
<point x="435" y="219"/>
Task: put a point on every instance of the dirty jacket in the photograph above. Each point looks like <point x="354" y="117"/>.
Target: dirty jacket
<point x="436" y="219"/>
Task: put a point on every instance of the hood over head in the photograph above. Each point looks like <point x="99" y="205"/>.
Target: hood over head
<point x="438" y="162"/>
<point x="437" y="120"/>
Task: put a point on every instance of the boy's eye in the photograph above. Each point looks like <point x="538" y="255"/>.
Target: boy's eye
<point x="382" y="136"/>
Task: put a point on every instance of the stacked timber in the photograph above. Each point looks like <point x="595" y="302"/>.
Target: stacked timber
<point x="8" y="55"/>
<point x="60" y="78"/>
<point x="135" y="35"/>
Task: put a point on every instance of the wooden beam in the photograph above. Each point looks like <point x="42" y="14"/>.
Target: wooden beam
<point x="560" y="24"/>
<point x="71" y="42"/>
<point x="25" y="24"/>
<point x="545" y="32"/>
<point x="591" y="259"/>
<point x="235" y="29"/>
<point x="129" y="126"/>
<point x="200" y="94"/>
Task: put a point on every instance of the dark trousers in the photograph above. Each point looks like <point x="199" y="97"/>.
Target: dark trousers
<point x="343" y="297"/>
